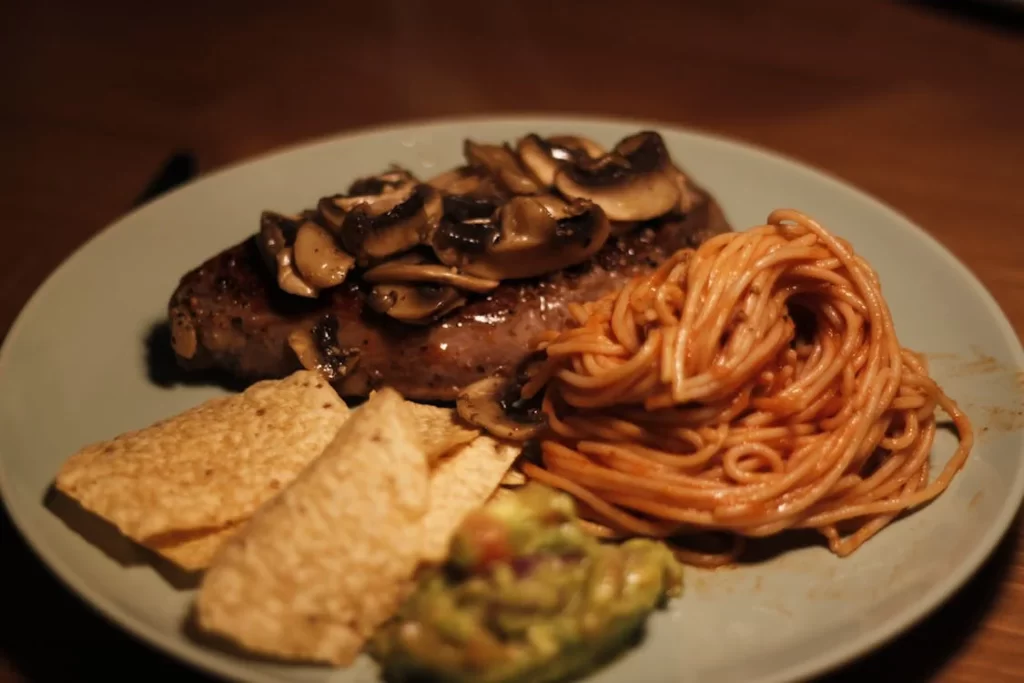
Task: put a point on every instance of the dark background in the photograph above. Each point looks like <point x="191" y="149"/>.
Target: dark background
<point x="920" y="104"/>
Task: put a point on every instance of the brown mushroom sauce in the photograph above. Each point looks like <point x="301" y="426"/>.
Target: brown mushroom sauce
<point x="511" y="212"/>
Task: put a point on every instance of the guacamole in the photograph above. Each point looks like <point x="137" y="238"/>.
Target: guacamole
<point x="526" y="595"/>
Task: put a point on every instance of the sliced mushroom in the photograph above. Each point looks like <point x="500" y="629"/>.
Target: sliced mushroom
<point x="277" y="235"/>
<point x="391" y="184"/>
<point x="463" y="208"/>
<point x="277" y="231"/>
<point x="686" y="198"/>
<point x="503" y="164"/>
<point x="332" y="210"/>
<point x="485" y="403"/>
<point x="465" y="180"/>
<point x="526" y="237"/>
<point x="391" y="225"/>
<point x="467" y="227"/>
<point x="635" y="182"/>
<point x="415" y="304"/>
<point x="289" y="280"/>
<point x="395" y="179"/>
<point x="415" y="268"/>
<point x="318" y="349"/>
<point x="318" y="259"/>
<point x="543" y="157"/>
<point x="563" y="145"/>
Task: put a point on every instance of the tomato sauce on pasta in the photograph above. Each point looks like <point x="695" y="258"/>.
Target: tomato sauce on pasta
<point x="752" y="385"/>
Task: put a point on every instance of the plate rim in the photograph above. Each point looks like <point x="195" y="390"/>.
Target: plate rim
<point x="213" y="663"/>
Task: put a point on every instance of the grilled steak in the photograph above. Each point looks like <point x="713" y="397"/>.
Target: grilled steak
<point x="230" y="314"/>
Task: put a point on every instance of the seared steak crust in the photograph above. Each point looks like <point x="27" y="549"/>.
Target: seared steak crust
<point x="230" y="314"/>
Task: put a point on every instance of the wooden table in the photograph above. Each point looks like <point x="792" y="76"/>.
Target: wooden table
<point x="919" y="104"/>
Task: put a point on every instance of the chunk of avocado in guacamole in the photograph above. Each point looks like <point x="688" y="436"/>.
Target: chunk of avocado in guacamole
<point x="525" y="596"/>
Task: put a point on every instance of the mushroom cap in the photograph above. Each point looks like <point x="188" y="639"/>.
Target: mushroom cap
<point x="635" y="182"/>
<point x="414" y="304"/>
<point x="551" y="203"/>
<point x="277" y="235"/>
<point x="319" y="260"/>
<point x="466" y="180"/>
<point x="289" y="280"/>
<point x="317" y="349"/>
<point x="564" y="145"/>
<point x="503" y="165"/>
<point x="416" y="268"/>
<point x="331" y="212"/>
<point x="483" y="404"/>
<point x="395" y="179"/>
<point x="686" y="196"/>
<point x="391" y="225"/>
<point x="467" y="227"/>
<point x="544" y="156"/>
<point x="393" y="183"/>
<point x="278" y="230"/>
<point x="526" y="237"/>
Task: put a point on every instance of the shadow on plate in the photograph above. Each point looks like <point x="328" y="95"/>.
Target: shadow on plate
<point x="49" y="634"/>
<point x="163" y="369"/>
<point x="760" y="550"/>
<point x="103" y="535"/>
<point x="190" y="629"/>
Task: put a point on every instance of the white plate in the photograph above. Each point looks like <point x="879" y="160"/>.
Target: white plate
<point x="73" y="370"/>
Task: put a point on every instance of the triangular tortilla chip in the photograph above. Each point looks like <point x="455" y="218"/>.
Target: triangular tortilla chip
<point x="320" y="566"/>
<point x="440" y="429"/>
<point x="194" y="551"/>
<point x="461" y="483"/>
<point x="209" y="466"/>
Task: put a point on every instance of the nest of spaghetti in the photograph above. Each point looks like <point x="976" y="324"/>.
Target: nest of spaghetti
<point x="748" y="387"/>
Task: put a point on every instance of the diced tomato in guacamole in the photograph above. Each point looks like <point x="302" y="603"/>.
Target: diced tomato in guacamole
<point x="526" y="596"/>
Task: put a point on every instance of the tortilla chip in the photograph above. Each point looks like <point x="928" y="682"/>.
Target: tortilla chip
<point x="461" y="483"/>
<point x="193" y="551"/>
<point x="211" y="465"/>
<point x="437" y="429"/>
<point x="320" y="566"/>
<point x="440" y="429"/>
<point x="513" y="478"/>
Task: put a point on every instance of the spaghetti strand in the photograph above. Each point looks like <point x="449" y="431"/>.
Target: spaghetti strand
<point x="749" y="386"/>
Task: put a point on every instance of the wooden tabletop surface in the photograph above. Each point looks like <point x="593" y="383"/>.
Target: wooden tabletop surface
<point x="920" y="104"/>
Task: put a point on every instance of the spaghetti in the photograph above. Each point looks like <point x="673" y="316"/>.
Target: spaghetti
<point x="747" y="387"/>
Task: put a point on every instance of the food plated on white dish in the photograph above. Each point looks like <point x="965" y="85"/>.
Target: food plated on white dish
<point x="526" y="400"/>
